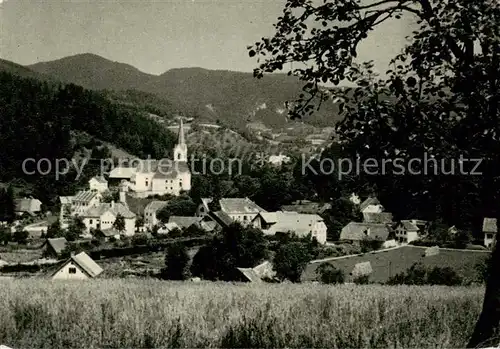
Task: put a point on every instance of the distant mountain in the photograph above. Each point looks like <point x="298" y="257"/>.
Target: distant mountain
<point x="93" y="72"/>
<point x="20" y="70"/>
<point x="233" y="98"/>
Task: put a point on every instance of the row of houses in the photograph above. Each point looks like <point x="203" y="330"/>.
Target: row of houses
<point x="378" y="225"/>
<point x="244" y="211"/>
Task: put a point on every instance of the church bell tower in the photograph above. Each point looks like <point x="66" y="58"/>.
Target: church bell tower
<point x="180" y="150"/>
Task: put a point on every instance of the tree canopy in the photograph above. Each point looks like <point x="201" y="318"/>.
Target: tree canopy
<point x="438" y="100"/>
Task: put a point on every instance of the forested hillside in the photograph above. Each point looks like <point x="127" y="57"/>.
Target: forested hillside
<point x="36" y="119"/>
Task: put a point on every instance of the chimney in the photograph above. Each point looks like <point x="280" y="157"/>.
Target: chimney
<point x="112" y="203"/>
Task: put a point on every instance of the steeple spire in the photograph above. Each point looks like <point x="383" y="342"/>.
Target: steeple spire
<point x="180" y="139"/>
<point x="180" y="150"/>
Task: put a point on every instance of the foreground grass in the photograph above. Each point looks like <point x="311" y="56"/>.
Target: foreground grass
<point x="151" y="314"/>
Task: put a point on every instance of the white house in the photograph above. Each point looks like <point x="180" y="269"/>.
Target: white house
<point x="278" y="160"/>
<point x="407" y="231"/>
<point x="27" y="205"/>
<point x="151" y="210"/>
<point x="242" y="210"/>
<point x="84" y="200"/>
<point x="77" y="267"/>
<point x="490" y="230"/>
<point x="371" y="205"/>
<point x="160" y="177"/>
<point x="98" y="183"/>
<point x="103" y="215"/>
<point x="291" y="222"/>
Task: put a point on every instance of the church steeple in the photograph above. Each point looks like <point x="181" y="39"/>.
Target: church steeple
<point x="180" y="150"/>
<point x="180" y="139"/>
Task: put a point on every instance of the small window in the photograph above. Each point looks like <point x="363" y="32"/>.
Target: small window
<point x="72" y="270"/>
<point x="244" y="218"/>
<point x="90" y="221"/>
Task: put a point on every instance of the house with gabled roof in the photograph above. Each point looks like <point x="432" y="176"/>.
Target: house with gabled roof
<point x="259" y="273"/>
<point x="77" y="267"/>
<point x="371" y="204"/>
<point x="185" y="222"/>
<point x="377" y="217"/>
<point x="296" y="223"/>
<point x="490" y="230"/>
<point x="103" y="216"/>
<point x="166" y="228"/>
<point x="55" y="246"/>
<point x="99" y="184"/>
<point x="27" y="205"/>
<point x="151" y="210"/>
<point x="356" y="232"/>
<point x="221" y="218"/>
<point x="409" y="230"/>
<point x="84" y="200"/>
<point x="241" y="210"/>
<point x="203" y="208"/>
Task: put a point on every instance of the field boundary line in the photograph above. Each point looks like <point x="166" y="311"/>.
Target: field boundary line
<point x="391" y="249"/>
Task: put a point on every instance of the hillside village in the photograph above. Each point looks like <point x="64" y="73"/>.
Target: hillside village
<point x="124" y="210"/>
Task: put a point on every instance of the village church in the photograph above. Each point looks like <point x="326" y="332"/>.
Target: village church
<point x="159" y="177"/>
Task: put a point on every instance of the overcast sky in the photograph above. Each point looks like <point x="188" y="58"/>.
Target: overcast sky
<point x="155" y="36"/>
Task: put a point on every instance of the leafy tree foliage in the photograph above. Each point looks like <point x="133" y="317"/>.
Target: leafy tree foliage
<point x="7" y="205"/>
<point x="179" y="206"/>
<point x="418" y="274"/>
<point x="21" y="236"/>
<point x="291" y="259"/>
<point x="342" y="212"/>
<point x="5" y="235"/>
<point x="438" y="99"/>
<point x="54" y="230"/>
<point x="176" y="262"/>
<point x="328" y="274"/>
<point x="119" y="223"/>
<point x="75" y="229"/>
<point x="37" y="120"/>
<point x="236" y="246"/>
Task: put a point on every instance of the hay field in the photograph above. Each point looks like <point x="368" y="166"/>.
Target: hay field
<point x="153" y="314"/>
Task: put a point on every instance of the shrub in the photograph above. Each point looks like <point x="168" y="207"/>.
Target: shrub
<point x="139" y="239"/>
<point x="443" y="276"/>
<point x="176" y="262"/>
<point x="368" y="245"/>
<point x="328" y="274"/>
<point x="290" y="260"/>
<point x="236" y="246"/>
<point x="362" y="280"/>
<point x="21" y="236"/>
<point x="418" y="274"/>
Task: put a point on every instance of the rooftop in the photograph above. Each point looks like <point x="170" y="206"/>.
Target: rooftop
<point x="239" y="205"/>
<point x="361" y="231"/>
<point x="490" y="225"/>
<point x="116" y="208"/>
<point x="84" y="196"/>
<point x="155" y="205"/>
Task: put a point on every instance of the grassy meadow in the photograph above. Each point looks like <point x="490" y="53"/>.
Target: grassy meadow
<point x="153" y="314"/>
